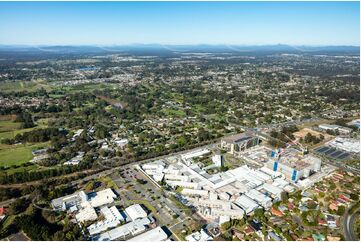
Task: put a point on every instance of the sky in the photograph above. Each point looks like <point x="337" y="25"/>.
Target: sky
<point x="234" y="23"/>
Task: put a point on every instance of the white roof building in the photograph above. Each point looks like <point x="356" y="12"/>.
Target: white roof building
<point x="156" y="234"/>
<point x="350" y="145"/>
<point x="273" y="174"/>
<point x="87" y="213"/>
<point x="112" y="218"/>
<point x="231" y="213"/>
<point x="269" y="189"/>
<point x="328" y="126"/>
<point x="121" y="142"/>
<point x="135" y="211"/>
<point x="64" y="203"/>
<point x="187" y="158"/>
<point x="155" y="165"/>
<point x="199" y="236"/>
<point x="247" y="204"/>
<point x="102" y="198"/>
<point x="260" y="198"/>
<point x="193" y="192"/>
<point x="176" y="177"/>
<point x="192" y="185"/>
<point x="221" y="204"/>
<point x="132" y="228"/>
<point x="281" y="183"/>
<point x="333" y="127"/>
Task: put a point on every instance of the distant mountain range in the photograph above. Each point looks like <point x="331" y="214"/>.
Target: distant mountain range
<point x="159" y="48"/>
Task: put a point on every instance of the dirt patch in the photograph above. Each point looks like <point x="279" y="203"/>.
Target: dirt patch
<point x="303" y="132"/>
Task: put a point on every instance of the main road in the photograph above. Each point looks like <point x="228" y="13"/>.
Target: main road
<point x="349" y="225"/>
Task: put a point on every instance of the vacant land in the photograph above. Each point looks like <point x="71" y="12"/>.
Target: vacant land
<point x="303" y="132"/>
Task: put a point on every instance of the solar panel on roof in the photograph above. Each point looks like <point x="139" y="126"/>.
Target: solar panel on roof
<point x="330" y="151"/>
<point x="322" y="149"/>
<point x="335" y="154"/>
<point x="343" y="156"/>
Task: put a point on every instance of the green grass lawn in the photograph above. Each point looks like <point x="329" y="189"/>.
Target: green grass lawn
<point x="7" y="125"/>
<point x="8" y="220"/>
<point x="173" y="112"/>
<point x="18" y="154"/>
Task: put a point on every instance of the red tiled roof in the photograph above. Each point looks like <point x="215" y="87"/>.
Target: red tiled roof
<point x="276" y="212"/>
<point x="2" y="210"/>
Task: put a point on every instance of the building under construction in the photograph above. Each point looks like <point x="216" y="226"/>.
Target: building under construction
<point x="293" y="164"/>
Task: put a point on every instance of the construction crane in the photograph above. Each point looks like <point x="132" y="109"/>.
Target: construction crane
<point x="304" y="150"/>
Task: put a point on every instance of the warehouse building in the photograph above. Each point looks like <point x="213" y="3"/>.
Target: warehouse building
<point x="156" y="234"/>
<point x="247" y="204"/>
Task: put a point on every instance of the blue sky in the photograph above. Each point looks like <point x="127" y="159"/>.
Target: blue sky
<point x="244" y="23"/>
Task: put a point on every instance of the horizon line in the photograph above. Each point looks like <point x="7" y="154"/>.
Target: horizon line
<point x="180" y="44"/>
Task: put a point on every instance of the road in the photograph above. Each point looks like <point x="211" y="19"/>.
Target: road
<point x="348" y="225"/>
<point x="110" y="170"/>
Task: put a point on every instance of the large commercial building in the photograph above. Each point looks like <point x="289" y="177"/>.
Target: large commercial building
<point x="350" y="145"/>
<point x="75" y="201"/>
<point x="237" y="143"/>
<point x="226" y="195"/>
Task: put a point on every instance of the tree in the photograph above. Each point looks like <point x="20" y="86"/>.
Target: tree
<point x="341" y="210"/>
<point x="259" y="213"/>
<point x="19" y="206"/>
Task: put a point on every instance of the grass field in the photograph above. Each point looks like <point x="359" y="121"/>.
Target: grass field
<point x="20" y="86"/>
<point x="87" y="87"/>
<point x="18" y="154"/>
<point x="8" y="125"/>
<point x="9" y="129"/>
